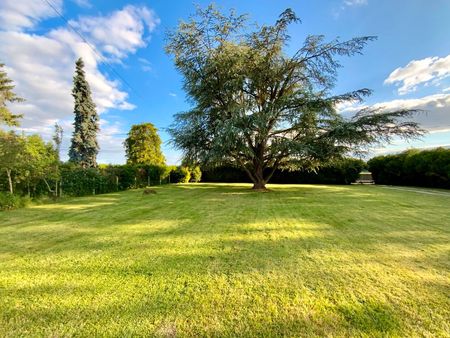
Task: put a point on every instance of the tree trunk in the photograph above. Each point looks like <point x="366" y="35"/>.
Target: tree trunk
<point x="258" y="182"/>
<point x="259" y="185"/>
<point x="11" y="190"/>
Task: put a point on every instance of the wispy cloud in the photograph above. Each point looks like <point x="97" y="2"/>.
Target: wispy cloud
<point x="346" y="4"/>
<point x="351" y="3"/>
<point x="146" y="66"/>
<point x="83" y="3"/>
<point x="173" y="94"/>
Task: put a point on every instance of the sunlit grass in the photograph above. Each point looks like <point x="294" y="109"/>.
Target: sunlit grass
<point x="221" y="260"/>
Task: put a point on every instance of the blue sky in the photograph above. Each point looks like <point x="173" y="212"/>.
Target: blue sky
<point x="407" y="67"/>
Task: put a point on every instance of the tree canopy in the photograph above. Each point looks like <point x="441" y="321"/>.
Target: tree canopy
<point x="26" y="159"/>
<point x="143" y="145"/>
<point x="260" y="109"/>
<point x="84" y="147"/>
<point x="7" y="95"/>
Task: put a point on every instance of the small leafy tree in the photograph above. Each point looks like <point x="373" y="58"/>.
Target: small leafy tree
<point x="7" y="95"/>
<point x="143" y="145"/>
<point x="84" y="147"/>
<point x="260" y="109"/>
<point x="57" y="138"/>
<point x="11" y="148"/>
<point x="27" y="159"/>
<point x="39" y="161"/>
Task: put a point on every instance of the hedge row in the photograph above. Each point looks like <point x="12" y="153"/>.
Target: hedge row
<point x="76" y="181"/>
<point x="427" y="168"/>
<point x="344" y="171"/>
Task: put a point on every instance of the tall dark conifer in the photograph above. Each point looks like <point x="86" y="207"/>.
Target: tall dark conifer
<point x="84" y="147"/>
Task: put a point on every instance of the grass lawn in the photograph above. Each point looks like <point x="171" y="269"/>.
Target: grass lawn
<point x="221" y="260"/>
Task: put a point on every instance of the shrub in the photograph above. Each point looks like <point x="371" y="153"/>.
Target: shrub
<point x="196" y="174"/>
<point x="9" y="201"/>
<point x="180" y="174"/>
<point x="427" y="168"/>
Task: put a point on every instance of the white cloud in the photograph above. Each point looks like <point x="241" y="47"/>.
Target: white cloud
<point x="42" y="65"/>
<point x="173" y="94"/>
<point x="121" y="32"/>
<point x="436" y="115"/>
<point x="20" y="14"/>
<point x="146" y="66"/>
<point x="428" y="71"/>
<point x="83" y="3"/>
<point x="346" y="4"/>
<point x="355" y="2"/>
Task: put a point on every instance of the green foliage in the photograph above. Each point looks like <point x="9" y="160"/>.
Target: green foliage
<point x="78" y="181"/>
<point x="427" y="168"/>
<point x="180" y="174"/>
<point x="343" y="171"/>
<point x="26" y="161"/>
<point x="7" y="95"/>
<point x="196" y="174"/>
<point x="84" y="145"/>
<point x="10" y="201"/>
<point x="57" y="138"/>
<point x="143" y="145"/>
<point x="257" y="107"/>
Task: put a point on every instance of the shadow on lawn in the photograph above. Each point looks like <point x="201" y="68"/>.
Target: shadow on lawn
<point x="190" y="234"/>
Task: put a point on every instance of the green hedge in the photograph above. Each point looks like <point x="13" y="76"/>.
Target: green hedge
<point x="344" y="171"/>
<point x="76" y="181"/>
<point x="427" y="168"/>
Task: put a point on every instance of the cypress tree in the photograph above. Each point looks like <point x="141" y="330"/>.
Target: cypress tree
<point x="84" y="146"/>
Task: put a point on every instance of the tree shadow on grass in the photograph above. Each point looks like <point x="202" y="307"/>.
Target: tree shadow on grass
<point x="195" y="236"/>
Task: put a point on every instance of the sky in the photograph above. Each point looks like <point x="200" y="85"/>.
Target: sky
<point x="133" y="80"/>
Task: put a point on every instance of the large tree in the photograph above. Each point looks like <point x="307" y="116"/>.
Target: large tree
<point x="7" y="95"/>
<point x="143" y="145"/>
<point x="261" y="109"/>
<point x="84" y="146"/>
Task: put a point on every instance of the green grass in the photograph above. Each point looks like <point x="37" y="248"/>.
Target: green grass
<point x="221" y="260"/>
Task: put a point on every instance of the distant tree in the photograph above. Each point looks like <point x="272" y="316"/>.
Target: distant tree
<point x="27" y="159"/>
<point x="143" y="145"/>
<point x="7" y="95"/>
<point x="38" y="162"/>
<point x="260" y="109"/>
<point x="11" y="148"/>
<point x="84" y="147"/>
<point x="57" y="138"/>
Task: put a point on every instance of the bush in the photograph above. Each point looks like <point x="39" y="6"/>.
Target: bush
<point x="196" y="174"/>
<point x="180" y="175"/>
<point x="427" y="168"/>
<point x="9" y="201"/>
